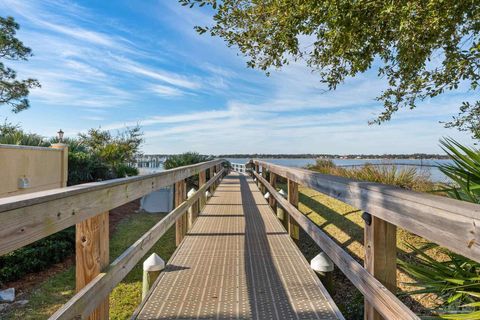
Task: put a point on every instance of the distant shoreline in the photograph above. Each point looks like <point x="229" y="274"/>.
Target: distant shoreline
<point x="438" y="157"/>
<point x="413" y="156"/>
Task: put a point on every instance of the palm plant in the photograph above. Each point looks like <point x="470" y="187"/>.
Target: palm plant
<point x="464" y="172"/>
<point x="455" y="281"/>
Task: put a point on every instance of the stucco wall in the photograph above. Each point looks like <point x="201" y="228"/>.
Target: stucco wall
<point x="45" y="168"/>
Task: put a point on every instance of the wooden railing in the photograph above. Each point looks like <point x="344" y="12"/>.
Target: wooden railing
<point x="30" y="217"/>
<point x="447" y="222"/>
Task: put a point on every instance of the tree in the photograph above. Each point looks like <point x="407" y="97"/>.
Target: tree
<point x="468" y="119"/>
<point x="100" y="155"/>
<point x="13" y="92"/>
<point x="185" y="159"/>
<point x="422" y="48"/>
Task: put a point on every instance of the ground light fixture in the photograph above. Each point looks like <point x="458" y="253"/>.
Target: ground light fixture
<point x="151" y="270"/>
<point x="323" y="266"/>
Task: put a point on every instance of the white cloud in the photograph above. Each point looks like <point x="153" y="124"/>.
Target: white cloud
<point x="166" y="91"/>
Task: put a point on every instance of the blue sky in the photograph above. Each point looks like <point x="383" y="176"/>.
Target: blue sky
<point x="112" y="64"/>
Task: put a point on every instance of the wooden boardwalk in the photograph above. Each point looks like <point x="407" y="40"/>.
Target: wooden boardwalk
<point x="238" y="262"/>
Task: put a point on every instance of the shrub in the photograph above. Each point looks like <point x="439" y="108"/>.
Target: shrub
<point x="37" y="256"/>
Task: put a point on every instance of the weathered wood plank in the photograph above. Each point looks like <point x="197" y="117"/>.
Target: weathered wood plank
<point x="87" y="299"/>
<point x="450" y="223"/>
<point x="92" y="255"/>
<point x="384" y="301"/>
<point x="30" y="217"/>
<point x="380" y="258"/>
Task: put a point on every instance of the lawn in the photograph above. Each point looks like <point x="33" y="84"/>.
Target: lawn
<point x="53" y="293"/>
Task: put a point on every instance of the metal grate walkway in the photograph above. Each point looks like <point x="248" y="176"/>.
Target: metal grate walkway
<point x="237" y="262"/>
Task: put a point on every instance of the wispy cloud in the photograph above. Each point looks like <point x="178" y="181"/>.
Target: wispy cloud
<point x="101" y="67"/>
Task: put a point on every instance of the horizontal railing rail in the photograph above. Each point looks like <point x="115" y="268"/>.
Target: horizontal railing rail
<point x="447" y="222"/>
<point x="31" y="217"/>
<point x="86" y="300"/>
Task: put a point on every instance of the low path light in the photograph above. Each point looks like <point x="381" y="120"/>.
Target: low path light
<point x="151" y="270"/>
<point x="323" y="266"/>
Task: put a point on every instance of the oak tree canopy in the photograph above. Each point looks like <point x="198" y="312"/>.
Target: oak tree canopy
<point x="422" y="48"/>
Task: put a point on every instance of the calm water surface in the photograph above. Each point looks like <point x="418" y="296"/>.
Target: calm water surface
<point x="435" y="174"/>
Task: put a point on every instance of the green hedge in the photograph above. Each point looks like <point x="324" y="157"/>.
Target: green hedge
<point x="37" y="256"/>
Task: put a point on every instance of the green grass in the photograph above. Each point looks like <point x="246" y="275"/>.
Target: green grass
<point x="53" y="293"/>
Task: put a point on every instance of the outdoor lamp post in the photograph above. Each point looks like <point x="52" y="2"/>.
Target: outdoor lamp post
<point x="60" y="135"/>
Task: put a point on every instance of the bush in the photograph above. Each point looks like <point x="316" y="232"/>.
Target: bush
<point x="37" y="256"/>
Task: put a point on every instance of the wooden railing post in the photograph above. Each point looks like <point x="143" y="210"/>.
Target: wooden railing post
<point x="181" y="223"/>
<point x="293" y="228"/>
<point x="380" y="256"/>
<point x="273" y="182"/>
<point x="264" y="176"/>
<point x="257" y="170"/>
<point x="92" y="255"/>
<point x="215" y="170"/>
<point x="192" y="211"/>
<point x="202" y="179"/>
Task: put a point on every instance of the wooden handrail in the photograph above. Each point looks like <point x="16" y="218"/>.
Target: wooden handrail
<point x="30" y="217"/>
<point x="385" y="302"/>
<point x="448" y="222"/>
<point x="86" y="300"/>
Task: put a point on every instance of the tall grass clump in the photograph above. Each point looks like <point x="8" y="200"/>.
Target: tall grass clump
<point x="410" y="178"/>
